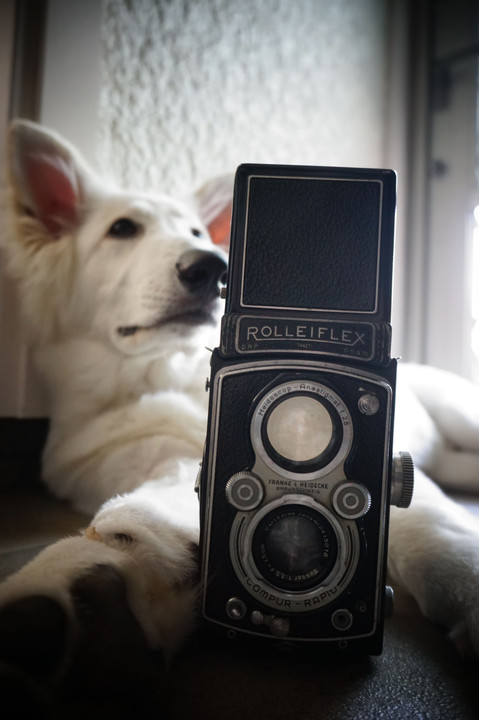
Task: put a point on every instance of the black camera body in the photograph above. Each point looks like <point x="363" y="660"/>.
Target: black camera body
<point x="298" y="472"/>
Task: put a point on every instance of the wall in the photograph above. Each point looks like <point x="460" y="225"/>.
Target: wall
<point x="190" y="89"/>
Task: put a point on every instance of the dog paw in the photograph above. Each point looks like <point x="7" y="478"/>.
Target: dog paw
<point x="450" y="596"/>
<point x="111" y="655"/>
<point x="465" y="634"/>
<point x="84" y="620"/>
<point x="102" y="654"/>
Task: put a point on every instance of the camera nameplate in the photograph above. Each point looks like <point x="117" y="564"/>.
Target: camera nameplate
<point x="251" y="334"/>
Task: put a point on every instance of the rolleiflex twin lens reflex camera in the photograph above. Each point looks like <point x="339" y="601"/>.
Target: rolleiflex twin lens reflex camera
<point x="298" y="473"/>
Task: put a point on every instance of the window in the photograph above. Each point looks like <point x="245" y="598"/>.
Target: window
<point x="451" y="292"/>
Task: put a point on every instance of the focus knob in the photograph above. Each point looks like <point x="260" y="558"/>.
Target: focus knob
<point x="402" y="480"/>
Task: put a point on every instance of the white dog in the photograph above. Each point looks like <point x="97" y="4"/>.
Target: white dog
<point x="120" y="291"/>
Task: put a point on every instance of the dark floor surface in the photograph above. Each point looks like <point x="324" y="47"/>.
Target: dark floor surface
<point x="419" y="675"/>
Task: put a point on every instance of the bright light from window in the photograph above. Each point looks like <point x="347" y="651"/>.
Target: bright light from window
<point x="475" y="284"/>
<point x="475" y="265"/>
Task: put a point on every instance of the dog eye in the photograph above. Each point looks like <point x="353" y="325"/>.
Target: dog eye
<point x="196" y="232"/>
<point x="124" y="229"/>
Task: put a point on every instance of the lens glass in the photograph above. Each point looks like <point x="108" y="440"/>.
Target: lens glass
<point x="299" y="428"/>
<point x="294" y="548"/>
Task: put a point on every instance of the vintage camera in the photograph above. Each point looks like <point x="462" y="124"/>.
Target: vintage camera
<point x="298" y="473"/>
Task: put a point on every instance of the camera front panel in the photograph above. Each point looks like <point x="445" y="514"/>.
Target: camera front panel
<point x="294" y="498"/>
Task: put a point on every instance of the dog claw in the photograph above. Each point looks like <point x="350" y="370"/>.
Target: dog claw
<point x="92" y="534"/>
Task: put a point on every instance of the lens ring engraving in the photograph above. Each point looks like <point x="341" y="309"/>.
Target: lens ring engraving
<point x="301" y="429"/>
<point x="316" y="591"/>
<point x="294" y="548"/>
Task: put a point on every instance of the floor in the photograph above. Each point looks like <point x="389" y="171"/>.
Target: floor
<point x="418" y="675"/>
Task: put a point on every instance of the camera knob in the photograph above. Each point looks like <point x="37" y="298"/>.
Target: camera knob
<point x="278" y="626"/>
<point x="244" y="490"/>
<point x="402" y="480"/>
<point x="351" y="500"/>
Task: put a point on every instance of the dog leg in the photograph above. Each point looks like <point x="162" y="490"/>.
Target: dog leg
<point x="434" y="555"/>
<point x="441" y="422"/>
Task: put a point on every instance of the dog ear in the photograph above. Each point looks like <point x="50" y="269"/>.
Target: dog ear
<point x="47" y="177"/>
<point x="214" y="203"/>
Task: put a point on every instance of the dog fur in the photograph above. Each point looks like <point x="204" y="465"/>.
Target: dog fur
<point x="120" y="294"/>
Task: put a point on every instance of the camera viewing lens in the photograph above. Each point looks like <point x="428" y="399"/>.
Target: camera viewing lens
<point x="301" y="432"/>
<point x="299" y="428"/>
<point x="294" y="548"/>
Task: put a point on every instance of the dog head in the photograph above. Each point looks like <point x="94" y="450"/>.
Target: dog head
<point x="138" y="272"/>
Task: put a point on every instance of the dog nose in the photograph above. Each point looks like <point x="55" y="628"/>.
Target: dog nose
<point x="202" y="272"/>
